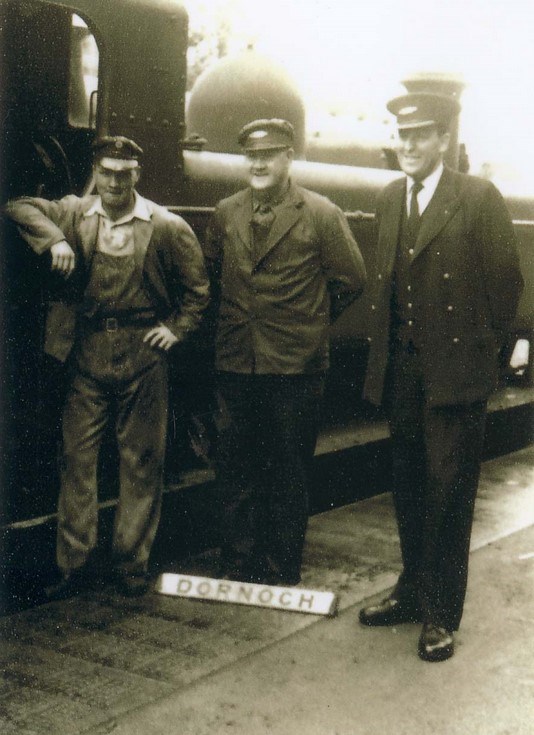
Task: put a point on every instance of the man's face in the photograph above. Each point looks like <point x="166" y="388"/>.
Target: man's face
<point x="420" y="150"/>
<point x="115" y="181"/>
<point x="269" y="170"/>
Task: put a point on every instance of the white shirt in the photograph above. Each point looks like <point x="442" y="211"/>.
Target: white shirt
<point x="116" y="237"/>
<point x="430" y="185"/>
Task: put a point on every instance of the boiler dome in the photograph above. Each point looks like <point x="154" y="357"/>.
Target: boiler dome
<point x="237" y="90"/>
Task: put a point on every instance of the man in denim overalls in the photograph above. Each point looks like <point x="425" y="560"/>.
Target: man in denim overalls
<point x="135" y="286"/>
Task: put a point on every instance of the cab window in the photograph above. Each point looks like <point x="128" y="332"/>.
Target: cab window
<point x="83" y="78"/>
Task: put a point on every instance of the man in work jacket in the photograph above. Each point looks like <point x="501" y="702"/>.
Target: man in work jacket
<point x="446" y="290"/>
<point x="135" y="285"/>
<point x="284" y="265"/>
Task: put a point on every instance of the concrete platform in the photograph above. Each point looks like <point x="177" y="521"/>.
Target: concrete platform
<point x="103" y="664"/>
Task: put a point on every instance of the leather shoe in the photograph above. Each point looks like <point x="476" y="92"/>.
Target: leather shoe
<point x="435" y="643"/>
<point x="71" y="584"/>
<point x="389" y="612"/>
<point x="240" y="569"/>
<point x="133" y="585"/>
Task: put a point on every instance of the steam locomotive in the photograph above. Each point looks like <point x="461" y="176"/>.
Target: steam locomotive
<point x="73" y="69"/>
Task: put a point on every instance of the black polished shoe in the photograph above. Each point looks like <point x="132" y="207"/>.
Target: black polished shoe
<point x="71" y="584"/>
<point x="389" y="612"/>
<point x="435" y="643"/>
<point x="241" y="569"/>
<point x="133" y="585"/>
<point x="279" y="574"/>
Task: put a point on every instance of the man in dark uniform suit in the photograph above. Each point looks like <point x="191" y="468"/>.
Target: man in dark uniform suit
<point x="284" y="265"/>
<point x="135" y="286"/>
<point x="446" y="290"/>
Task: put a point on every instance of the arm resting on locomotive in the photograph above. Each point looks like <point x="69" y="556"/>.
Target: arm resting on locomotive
<point x="39" y="221"/>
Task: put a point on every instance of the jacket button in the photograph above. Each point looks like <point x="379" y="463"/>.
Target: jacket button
<point x="409" y="288"/>
<point x="446" y="275"/>
<point x="410" y="323"/>
<point x="369" y="339"/>
<point x="410" y="251"/>
<point x="373" y="307"/>
<point x="455" y="340"/>
<point x="410" y="305"/>
<point x="379" y="276"/>
<point x="450" y="308"/>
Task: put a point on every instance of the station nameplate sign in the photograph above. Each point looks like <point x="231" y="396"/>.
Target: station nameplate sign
<point x="314" y="602"/>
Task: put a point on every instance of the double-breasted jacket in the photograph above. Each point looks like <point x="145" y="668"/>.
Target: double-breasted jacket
<point x="465" y="287"/>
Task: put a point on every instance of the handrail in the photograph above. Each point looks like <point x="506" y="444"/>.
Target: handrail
<point x="356" y="215"/>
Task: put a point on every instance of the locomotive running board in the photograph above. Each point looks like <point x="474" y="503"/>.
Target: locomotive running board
<point x="294" y="599"/>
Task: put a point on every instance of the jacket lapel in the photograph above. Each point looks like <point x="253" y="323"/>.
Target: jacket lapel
<point x="440" y="210"/>
<point x="390" y="223"/>
<point x="88" y="233"/>
<point x="142" y="235"/>
<point x="287" y="214"/>
<point x="242" y="215"/>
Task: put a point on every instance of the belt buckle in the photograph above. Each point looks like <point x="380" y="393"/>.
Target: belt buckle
<point x="111" y="324"/>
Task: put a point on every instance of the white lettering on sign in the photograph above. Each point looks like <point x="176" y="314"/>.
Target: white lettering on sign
<point x="294" y="599"/>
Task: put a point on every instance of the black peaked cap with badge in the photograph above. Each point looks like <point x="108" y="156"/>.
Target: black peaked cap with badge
<point x="422" y="109"/>
<point x="266" y="135"/>
<point x="116" y="146"/>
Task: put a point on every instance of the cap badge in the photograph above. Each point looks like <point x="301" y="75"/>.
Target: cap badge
<point x="408" y="110"/>
<point x="258" y="134"/>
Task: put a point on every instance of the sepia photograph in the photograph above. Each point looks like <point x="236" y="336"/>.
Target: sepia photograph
<point x="266" y="367"/>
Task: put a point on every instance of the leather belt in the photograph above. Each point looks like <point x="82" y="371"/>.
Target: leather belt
<point x="113" y="323"/>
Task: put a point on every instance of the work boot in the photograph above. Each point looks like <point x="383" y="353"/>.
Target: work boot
<point x="71" y="583"/>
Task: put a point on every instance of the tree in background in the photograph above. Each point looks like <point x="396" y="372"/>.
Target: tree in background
<point x="210" y="34"/>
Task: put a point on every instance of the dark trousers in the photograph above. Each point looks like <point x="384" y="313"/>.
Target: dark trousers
<point x="116" y="378"/>
<point x="266" y="443"/>
<point x="436" y="466"/>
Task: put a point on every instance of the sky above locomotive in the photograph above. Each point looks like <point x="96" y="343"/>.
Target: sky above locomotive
<point x="349" y="56"/>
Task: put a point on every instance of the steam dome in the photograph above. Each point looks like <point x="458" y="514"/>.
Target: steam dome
<point x="237" y="90"/>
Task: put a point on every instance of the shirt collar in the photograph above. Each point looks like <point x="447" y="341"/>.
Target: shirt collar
<point x="271" y="202"/>
<point x="140" y="210"/>
<point x="430" y="183"/>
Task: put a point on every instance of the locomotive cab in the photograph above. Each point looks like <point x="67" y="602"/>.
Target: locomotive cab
<point x="69" y="74"/>
<point x="48" y="100"/>
<point x="80" y="68"/>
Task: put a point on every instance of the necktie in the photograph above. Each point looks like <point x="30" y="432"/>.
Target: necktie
<point x="413" y="218"/>
<point x="261" y="222"/>
<point x="263" y="217"/>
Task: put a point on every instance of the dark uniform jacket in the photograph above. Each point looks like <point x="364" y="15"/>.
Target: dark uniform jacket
<point x="275" y="305"/>
<point x="465" y="281"/>
<point x="174" y="274"/>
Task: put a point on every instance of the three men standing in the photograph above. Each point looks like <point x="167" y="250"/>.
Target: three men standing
<point x="446" y="290"/>
<point x="284" y="265"/>
<point x="135" y="286"/>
